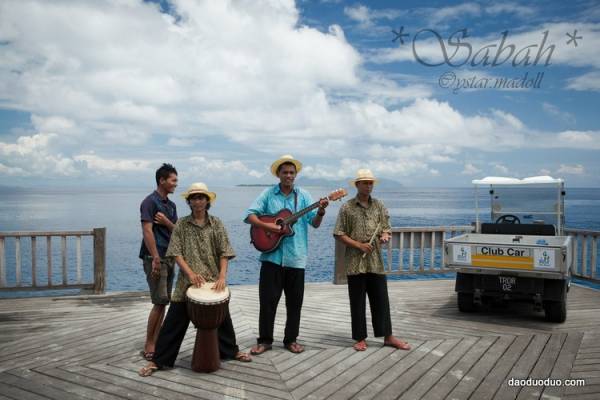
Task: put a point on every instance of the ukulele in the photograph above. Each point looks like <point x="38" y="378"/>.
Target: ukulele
<point x="266" y="241"/>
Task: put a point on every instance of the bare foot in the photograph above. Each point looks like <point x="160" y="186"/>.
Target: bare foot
<point x="396" y="343"/>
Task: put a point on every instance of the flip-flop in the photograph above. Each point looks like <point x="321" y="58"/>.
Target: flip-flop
<point x="243" y="357"/>
<point x="148" y="370"/>
<point x="294" y="347"/>
<point x="260" y="348"/>
<point x="148" y="355"/>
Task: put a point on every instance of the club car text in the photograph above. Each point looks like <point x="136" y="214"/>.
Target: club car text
<point x="503" y="251"/>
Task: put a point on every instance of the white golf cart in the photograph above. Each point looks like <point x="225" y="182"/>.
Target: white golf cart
<point x="521" y="254"/>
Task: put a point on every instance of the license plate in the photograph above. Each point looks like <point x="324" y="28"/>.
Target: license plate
<point x="508" y="283"/>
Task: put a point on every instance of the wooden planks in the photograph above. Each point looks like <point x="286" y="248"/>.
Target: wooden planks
<point x="87" y="347"/>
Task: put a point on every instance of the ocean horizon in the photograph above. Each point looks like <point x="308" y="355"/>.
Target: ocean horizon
<point x="117" y="209"/>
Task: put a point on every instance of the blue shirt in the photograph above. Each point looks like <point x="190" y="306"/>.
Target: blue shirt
<point x="293" y="250"/>
<point x="152" y="204"/>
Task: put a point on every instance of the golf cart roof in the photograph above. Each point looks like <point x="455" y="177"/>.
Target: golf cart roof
<point x="533" y="180"/>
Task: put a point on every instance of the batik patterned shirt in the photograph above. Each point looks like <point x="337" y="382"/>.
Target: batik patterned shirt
<point x="202" y="247"/>
<point x="359" y="223"/>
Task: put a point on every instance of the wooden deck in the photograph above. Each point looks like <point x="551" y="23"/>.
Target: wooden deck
<point x="72" y="348"/>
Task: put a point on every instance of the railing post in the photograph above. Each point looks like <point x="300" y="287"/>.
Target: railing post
<point x="99" y="259"/>
<point x="339" y="275"/>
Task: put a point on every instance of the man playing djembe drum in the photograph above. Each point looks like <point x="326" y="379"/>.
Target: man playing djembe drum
<point x="201" y="248"/>
<point x="363" y="223"/>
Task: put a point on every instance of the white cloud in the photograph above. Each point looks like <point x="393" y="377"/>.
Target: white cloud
<point x="180" y="142"/>
<point x="589" y="81"/>
<point x="576" y="169"/>
<point x="444" y="14"/>
<point x="204" y="167"/>
<point x="101" y="165"/>
<point x="35" y="155"/>
<point x="589" y="140"/>
<point x="520" y="10"/>
<point x="247" y="73"/>
<point x="470" y="169"/>
<point x="557" y="113"/>
<point x="500" y="168"/>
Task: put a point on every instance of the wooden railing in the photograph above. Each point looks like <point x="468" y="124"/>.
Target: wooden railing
<point x="33" y="283"/>
<point x="585" y="257"/>
<point x="412" y="250"/>
<point x="418" y="250"/>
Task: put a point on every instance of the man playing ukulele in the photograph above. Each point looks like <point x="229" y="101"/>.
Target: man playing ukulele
<point x="283" y="268"/>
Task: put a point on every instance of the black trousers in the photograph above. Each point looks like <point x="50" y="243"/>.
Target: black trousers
<point x="173" y="331"/>
<point x="273" y="280"/>
<point x="375" y="286"/>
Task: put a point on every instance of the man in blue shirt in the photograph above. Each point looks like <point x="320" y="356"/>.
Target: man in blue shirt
<point x="158" y="215"/>
<point x="282" y="270"/>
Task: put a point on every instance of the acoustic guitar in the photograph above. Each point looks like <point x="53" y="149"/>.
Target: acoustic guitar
<point x="266" y="241"/>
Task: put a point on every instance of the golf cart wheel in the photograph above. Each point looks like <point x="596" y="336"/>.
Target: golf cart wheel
<point x="556" y="311"/>
<point x="465" y="302"/>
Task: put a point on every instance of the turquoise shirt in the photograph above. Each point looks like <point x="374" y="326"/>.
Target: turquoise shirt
<point x="293" y="250"/>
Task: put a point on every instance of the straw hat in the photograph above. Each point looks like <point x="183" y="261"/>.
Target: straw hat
<point x="199" y="187"/>
<point x="363" y="175"/>
<point x="285" y="159"/>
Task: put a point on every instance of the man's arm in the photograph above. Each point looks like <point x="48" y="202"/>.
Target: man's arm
<point x="269" y="226"/>
<point x="150" y="243"/>
<point x="194" y="278"/>
<point x="222" y="280"/>
<point x="318" y="218"/>
<point x="161" y="219"/>
<point x="348" y="241"/>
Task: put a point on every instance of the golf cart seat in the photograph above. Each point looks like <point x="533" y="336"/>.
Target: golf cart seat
<point x="519" y="229"/>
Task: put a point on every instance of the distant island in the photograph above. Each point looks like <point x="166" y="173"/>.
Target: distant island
<point x="340" y="183"/>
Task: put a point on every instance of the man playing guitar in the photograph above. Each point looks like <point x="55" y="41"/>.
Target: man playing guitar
<point x="282" y="269"/>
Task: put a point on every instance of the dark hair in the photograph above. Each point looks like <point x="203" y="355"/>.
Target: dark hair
<point x="286" y="163"/>
<point x="200" y="194"/>
<point x="164" y="172"/>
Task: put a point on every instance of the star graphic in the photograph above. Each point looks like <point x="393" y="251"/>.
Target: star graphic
<point x="573" y="38"/>
<point x="399" y="35"/>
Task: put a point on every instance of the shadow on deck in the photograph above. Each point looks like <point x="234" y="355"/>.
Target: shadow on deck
<point x="78" y="347"/>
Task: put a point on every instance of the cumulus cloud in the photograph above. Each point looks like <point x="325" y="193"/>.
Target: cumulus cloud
<point x="35" y="155"/>
<point x="247" y="73"/>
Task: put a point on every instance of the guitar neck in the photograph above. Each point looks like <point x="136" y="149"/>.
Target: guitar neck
<point x="294" y="217"/>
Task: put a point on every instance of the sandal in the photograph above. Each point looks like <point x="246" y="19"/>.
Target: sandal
<point x="147" y="355"/>
<point x="148" y="370"/>
<point x="294" y="347"/>
<point x="260" y="348"/>
<point x="243" y="357"/>
<point x="360" y="346"/>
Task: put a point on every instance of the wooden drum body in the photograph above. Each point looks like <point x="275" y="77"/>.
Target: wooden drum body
<point x="207" y="310"/>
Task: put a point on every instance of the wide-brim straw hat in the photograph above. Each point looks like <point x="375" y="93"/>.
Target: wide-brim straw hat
<point x="199" y="187"/>
<point x="285" y="159"/>
<point x="364" y="175"/>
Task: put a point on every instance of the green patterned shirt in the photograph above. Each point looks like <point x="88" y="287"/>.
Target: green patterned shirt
<point x="359" y="223"/>
<point x="201" y="247"/>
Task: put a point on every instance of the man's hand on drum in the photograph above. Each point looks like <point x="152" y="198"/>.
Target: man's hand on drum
<point x="220" y="285"/>
<point x="196" y="279"/>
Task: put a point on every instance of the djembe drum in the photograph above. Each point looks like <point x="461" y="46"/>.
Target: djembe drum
<point x="207" y="309"/>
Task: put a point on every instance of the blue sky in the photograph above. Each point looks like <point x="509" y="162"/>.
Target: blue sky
<point x="101" y="93"/>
